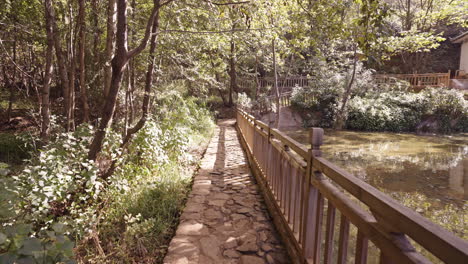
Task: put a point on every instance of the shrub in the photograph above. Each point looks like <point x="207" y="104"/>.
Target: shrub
<point x="404" y="111"/>
<point x="244" y="101"/>
<point x="321" y="100"/>
<point x="61" y="184"/>
<point x="387" y="111"/>
<point x="14" y="149"/>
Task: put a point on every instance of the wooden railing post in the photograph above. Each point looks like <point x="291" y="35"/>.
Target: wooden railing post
<point x="311" y="198"/>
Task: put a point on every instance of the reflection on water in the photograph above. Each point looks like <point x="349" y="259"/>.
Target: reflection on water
<point x="426" y="173"/>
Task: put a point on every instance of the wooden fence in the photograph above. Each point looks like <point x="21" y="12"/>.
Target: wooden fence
<point x="285" y="84"/>
<point x="417" y="80"/>
<point x="306" y="193"/>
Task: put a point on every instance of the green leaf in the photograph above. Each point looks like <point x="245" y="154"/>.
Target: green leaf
<point x="30" y="245"/>
<point x="3" y="238"/>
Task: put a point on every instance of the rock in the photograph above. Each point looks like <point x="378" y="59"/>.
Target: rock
<point x="276" y="258"/>
<point x="249" y="244"/>
<point x="244" y="210"/>
<point x="220" y="196"/>
<point x="210" y="246"/>
<point x="242" y="225"/>
<point x="190" y="216"/>
<point x="198" y="199"/>
<point x="264" y="235"/>
<point x="230" y="253"/>
<point x="267" y="247"/>
<point x="177" y="260"/>
<point x="230" y="242"/>
<point x="238" y="216"/>
<point x="217" y="202"/>
<point x="183" y="248"/>
<point x="192" y="228"/>
<point x="201" y="191"/>
<point x="207" y="260"/>
<point x="213" y="214"/>
<point x="193" y="207"/>
<point x="247" y="259"/>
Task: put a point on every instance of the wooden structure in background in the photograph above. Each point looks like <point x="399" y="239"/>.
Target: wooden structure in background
<point x="416" y="80"/>
<point x="306" y="193"/>
<point x="285" y="84"/>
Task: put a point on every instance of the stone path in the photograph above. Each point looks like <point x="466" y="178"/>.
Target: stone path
<point x="225" y="220"/>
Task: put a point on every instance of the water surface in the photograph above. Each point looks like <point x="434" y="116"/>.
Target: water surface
<point x="426" y="173"/>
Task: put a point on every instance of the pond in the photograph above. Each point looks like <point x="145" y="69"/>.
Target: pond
<point x="426" y="173"/>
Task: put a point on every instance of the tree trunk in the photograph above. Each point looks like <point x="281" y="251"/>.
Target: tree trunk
<point x="61" y="63"/>
<point x="148" y="82"/>
<point x="257" y="81"/>
<point x="71" y="75"/>
<point x="340" y="118"/>
<point x="232" y="72"/>
<point x="122" y="55"/>
<point x="13" y="85"/>
<point x="110" y="45"/>
<point x="277" y="93"/>
<point x="45" y="108"/>
<point x="81" y="55"/>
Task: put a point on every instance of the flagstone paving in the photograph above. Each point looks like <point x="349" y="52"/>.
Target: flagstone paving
<point x="225" y="219"/>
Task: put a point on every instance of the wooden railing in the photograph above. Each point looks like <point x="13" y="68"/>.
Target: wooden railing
<point x="285" y="84"/>
<point x="417" y="80"/>
<point x="265" y="106"/>
<point x="306" y="193"/>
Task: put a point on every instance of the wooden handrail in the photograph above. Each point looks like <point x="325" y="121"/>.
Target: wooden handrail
<point x="296" y="182"/>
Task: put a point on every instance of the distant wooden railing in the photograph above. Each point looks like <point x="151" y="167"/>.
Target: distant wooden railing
<point x="285" y="84"/>
<point x="305" y="193"/>
<point x="416" y="80"/>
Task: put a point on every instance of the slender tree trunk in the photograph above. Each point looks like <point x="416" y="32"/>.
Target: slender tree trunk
<point x="148" y="82"/>
<point x="61" y="63"/>
<point x="277" y="93"/>
<point x="232" y="72"/>
<point x="71" y="74"/>
<point x="45" y="108"/>
<point x="82" y="41"/>
<point x="257" y="81"/>
<point x="12" y="85"/>
<point x="110" y="45"/>
<point x="120" y="60"/>
<point x="340" y="117"/>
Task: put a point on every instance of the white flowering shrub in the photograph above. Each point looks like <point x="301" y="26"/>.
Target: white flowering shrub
<point x="61" y="183"/>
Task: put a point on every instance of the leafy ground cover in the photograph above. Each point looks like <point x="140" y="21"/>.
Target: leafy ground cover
<point x="58" y="209"/>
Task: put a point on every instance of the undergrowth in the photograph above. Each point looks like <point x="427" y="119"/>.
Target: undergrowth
<point x="61" y="210"/>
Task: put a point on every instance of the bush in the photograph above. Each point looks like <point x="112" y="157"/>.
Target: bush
<point x="321" y="100"/>
<point x="60" y="196"/>
<point x="404" y="111"/>
<point x="61" y="185"/>
<point x="14" y="149"/>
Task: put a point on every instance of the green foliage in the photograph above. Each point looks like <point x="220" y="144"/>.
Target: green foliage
<point x="61" y="184"/>
<point x="405" y="111"/>
<point x="322" y="98"/>
<point x="147" y="191"/>
<point x="244" y="101"/>
<point x="387" y="111"/>
<point x="18" y="246"/>
<point x="14" y="149"/>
